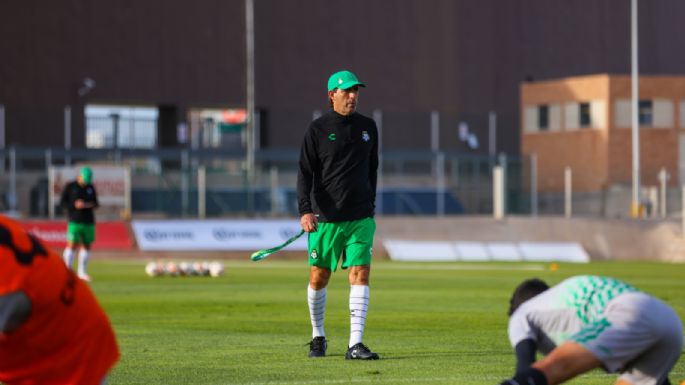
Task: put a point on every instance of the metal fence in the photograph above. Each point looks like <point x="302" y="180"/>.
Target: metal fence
<point x="182" y="183"/>
<point x="167" y="182"/>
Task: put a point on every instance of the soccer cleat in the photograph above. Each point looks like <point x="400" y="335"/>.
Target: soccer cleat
<point x="360" y="352"/>
<point x="317" y="347"/>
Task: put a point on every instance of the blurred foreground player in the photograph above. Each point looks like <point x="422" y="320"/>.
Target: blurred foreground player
<point x="587" y="322"/>
<point x="52" y="330"/>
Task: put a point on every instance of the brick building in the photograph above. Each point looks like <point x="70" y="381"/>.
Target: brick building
<point x="584" y="123"/>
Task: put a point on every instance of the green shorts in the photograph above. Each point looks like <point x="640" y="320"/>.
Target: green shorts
<point x="81" y="233"/>
<point x="352" y="241"/>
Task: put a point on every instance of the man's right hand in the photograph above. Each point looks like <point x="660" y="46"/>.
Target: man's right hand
<point x="309" y="222"/>
<point x="530" y="376"/>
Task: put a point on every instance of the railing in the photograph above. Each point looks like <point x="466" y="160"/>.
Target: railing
<point x="165" y="182"/>
<point x="214" y="183"/>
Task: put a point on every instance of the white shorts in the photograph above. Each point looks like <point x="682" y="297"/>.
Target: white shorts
<point x="642" y="339"/>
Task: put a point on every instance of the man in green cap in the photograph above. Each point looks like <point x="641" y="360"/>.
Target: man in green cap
<point x="80" y="200"/>
<point x="336" y="192"/>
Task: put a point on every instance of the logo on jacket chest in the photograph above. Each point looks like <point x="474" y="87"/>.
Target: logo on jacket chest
<point x="365" y="137"/>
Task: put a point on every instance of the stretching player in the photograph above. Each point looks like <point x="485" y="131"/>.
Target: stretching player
<point x="587" y="322"/>
<point x="336" y="191"/>
<point x="52" y="330"/>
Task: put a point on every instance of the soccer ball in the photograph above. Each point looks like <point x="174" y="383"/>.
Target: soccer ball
<point x="197" y="268"/>
<point x="185" y="268"/>
<point x="154" y="269"/>
<point x="216" y="269"/>
<point x="204" y="268"/>
<point x="172" y="269"/>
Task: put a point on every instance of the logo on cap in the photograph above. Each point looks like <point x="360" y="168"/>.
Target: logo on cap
<point x="340" y="81"/>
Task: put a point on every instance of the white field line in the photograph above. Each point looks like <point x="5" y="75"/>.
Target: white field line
<point x="266" y="264"/>
<point x="458" y="266"/>
<point x="416" y="380"/>
<point x="378" y="379"/>
<point x="400" y="266"/>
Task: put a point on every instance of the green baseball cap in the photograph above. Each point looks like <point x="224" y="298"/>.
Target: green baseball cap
<point x="86" y="175"/>
<point x="343" y="80"/>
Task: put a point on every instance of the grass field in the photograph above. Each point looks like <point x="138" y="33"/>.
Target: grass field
<point x="432" y="323"/>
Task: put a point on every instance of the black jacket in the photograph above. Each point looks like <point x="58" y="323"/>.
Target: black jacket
<point x="338" y="168"/>
<point x="72" y="192"/>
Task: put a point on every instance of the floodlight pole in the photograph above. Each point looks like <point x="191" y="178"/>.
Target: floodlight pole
<point x="250" y="96"/>
<point x="2" y="138"/>
<point x="635" y="206"/>
<point x="67" y="135"/>
<point x="2" y="127"/>
<point x="378" y="118"/>
<point x="492" y="133"/>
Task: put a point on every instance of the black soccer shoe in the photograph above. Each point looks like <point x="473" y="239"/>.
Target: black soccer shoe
<point x="360" y="352"/>
<point x="317" y="347"/>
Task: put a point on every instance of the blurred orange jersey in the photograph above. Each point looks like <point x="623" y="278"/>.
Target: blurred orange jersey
<point x="67" y="339"/>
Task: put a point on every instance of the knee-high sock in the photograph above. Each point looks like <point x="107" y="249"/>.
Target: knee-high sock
<point x="83" y="257"/>
<point x="68" y="256"/>
<point x="317" y="309"/>
<point x="359" y="304"/>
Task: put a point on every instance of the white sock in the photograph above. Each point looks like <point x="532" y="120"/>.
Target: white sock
<point x="359" y="304"/>
<point x="83" y="261"/>
<point x="317" y="309"/>
<point x="68" y="256"/>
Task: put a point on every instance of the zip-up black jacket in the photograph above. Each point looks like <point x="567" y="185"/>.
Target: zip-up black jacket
<point x="72" y="192"/>
<point x="338" y="168"/>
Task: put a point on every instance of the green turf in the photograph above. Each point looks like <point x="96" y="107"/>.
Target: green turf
<point x="432" y="323"/>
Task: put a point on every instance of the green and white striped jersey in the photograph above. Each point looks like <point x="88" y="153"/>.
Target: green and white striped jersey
<point x="563" y="310"/>
<point x="588" y="295"/>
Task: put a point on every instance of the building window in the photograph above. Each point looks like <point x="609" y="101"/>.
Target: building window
<point x="543" y="117"/>
<point x="645" y="112"/>
<point x="584" y="115"/>
<point x="214" y="128"/>
<point x="115" y="126"/>
<point x="662" y="113"/>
